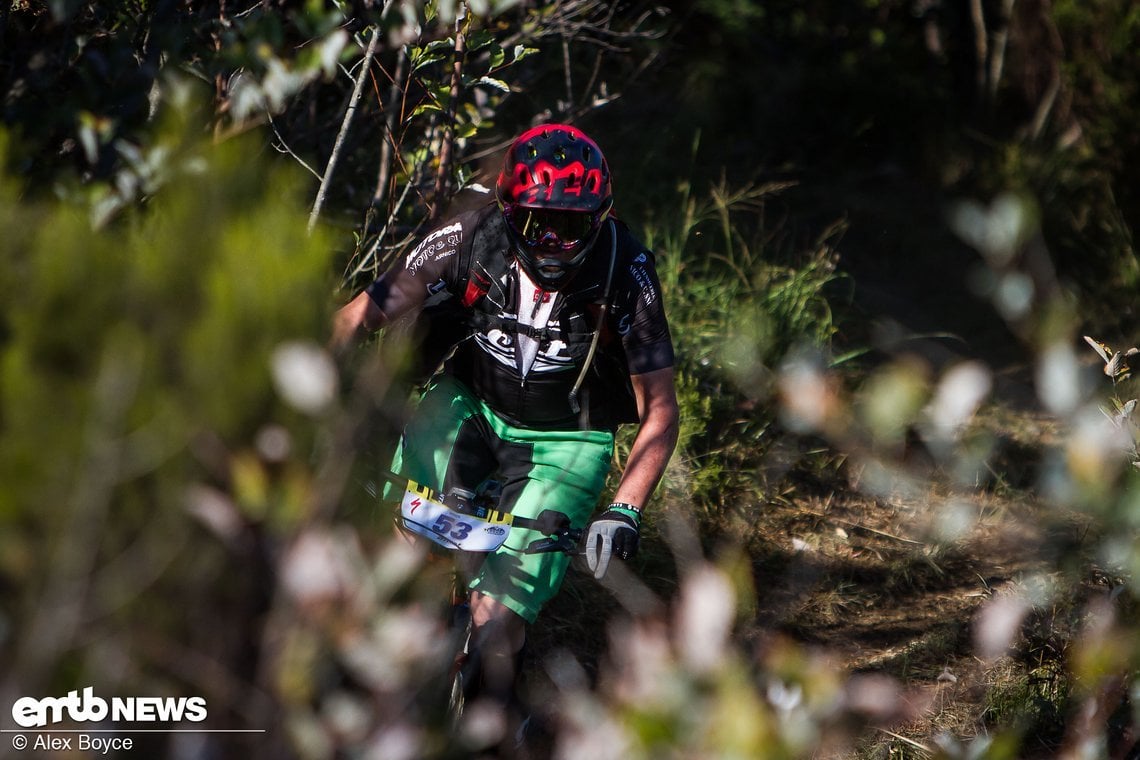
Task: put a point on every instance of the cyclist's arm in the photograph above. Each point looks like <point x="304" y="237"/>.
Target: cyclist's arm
<point x="650" y="359"/>
<point x="656" y="437"/>
<point x="432" y="265"/>
<point x="359" y="314"/>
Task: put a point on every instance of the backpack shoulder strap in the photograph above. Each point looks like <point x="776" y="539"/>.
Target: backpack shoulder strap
<point x="482" y="262"/>
<point x="574" y="405"/>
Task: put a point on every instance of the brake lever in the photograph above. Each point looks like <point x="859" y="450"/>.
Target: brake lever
<point x="565" y="540"/>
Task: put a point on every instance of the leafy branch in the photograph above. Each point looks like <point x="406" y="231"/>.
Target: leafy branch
<point x="1117" y="369"/>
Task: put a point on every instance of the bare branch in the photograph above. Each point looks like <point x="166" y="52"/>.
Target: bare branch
<point x="350" y="112"/>
<point x="566" y="71"/>
<point x="283" y="147"/>
<point x="388" y="142"/>
<point x="370" y="260"/>
<point x="447" y="138"/>
<point x="1001" y="41"/>
<point x="981" y="44"/>
<point x="1041" y="114"/>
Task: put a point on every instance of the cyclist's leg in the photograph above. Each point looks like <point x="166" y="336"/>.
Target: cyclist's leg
<point x="560" y="470"/>
<point x="497" y="637"/>
<point x="455" y="440"/>
<point x="563" y="472"/>
<point x="444" y="445"/>
<point x="491" y="658"/>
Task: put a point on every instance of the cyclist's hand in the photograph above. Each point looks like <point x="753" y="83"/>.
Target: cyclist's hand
<point x="615" y="532"/>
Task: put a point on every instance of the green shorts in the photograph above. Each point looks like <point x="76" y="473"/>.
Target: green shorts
<point x="455" y="440"/>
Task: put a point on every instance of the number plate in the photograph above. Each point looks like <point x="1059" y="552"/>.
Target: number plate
<point x="445" y="526"/>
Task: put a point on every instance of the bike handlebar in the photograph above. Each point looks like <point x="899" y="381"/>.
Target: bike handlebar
<point x="560" y="536"/>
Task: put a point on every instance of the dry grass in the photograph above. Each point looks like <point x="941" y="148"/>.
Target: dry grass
<point x="869" y="582"/>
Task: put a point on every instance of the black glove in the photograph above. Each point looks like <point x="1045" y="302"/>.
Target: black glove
<point x="615" y="532"/>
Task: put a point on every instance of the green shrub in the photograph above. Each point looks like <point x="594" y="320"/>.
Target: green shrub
<point x="738" y="304"/>
<point x="136" y="367"/>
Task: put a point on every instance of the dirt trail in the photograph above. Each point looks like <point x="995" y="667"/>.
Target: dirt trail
<point x="878" y="579"/>
<point x="875" y="579"/>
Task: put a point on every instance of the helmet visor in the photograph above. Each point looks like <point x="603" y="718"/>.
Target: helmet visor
<point x="552" y="230"/>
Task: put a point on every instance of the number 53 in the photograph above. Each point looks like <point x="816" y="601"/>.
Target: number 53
<point x="452" y="528"/>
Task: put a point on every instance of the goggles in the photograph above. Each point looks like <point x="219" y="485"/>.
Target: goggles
<point x="552" y="229"/>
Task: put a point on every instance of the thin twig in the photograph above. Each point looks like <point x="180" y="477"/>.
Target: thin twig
<point x="566" y="73"/>
<point x="997" y="55"/>
<point x="911" y="742"/>
<point x="981" y="44"/>
<point x="1041" y="115"/>
<point x="283" y="147"/>
<point x="448" y="136"/>
<point x="389" y="141"/>
<point x="857" y="526"/>
<point x="366" y="262"/>
<point x="348" y="115"/>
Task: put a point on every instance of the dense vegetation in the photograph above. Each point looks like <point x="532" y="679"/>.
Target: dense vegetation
<point x="882" y="227"/>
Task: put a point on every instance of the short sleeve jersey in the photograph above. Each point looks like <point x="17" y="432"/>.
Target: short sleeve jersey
<point x="464" y="271"/>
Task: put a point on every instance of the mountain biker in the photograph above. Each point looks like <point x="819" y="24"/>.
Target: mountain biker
<point x="552" y="311"/>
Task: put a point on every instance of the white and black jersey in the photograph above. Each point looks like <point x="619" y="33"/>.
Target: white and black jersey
<point x="523" y="348"/>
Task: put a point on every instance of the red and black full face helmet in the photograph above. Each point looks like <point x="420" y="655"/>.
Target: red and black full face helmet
<point x="554" y="191"/>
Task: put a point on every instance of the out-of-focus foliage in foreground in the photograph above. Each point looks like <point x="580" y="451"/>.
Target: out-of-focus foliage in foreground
<point x="149" y="466"/>
<point x="1064" y="627"/>
<point x="175" y="456"/>
<point x="185" y="503"/>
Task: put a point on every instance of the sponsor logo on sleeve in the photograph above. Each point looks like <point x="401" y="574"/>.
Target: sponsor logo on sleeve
<point x="438" y="245"/>
<point x="644" y="281"/>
